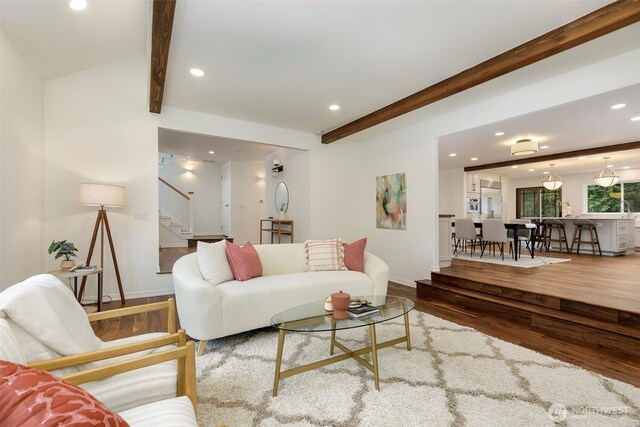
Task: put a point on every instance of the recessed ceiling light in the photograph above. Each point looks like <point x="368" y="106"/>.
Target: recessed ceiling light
<point x="626" y="167"/>
<point x="545" y="173"/>
<point x="544" y="147"/>
<point x="334" y="107"/>
<point x="635" y="118"/>
<point x="532" y="170"/>
<point x="196" y="72"/>
<point x="78" y="4"/>
<point x="581" y="158"/>
<point x="514" y="167"/>
<point x="473" y="159"/>
<point x="618" y="106"/>
<point x="499" y="133"/>
<point x="452" y="154"/>
<point x="212" y="152"/>
<point x="318" y="132"/>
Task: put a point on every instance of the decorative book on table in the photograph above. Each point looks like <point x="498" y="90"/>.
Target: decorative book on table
<point x="363" y="310"/>
<point x="86" y="269"/>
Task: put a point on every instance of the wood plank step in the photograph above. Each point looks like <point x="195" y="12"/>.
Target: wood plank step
<point x="558" y="314"/>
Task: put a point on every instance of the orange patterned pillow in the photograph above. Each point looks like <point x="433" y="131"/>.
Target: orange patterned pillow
<point x="31" y="397"/>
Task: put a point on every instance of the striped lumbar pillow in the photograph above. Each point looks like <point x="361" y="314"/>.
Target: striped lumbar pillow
<point x="325" y="255"/>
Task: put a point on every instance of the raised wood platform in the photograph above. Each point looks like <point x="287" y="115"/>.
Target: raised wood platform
<point x="593" y="301"/>
<point x="208" y="238"/>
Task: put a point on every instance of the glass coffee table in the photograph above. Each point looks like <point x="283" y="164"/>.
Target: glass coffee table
<point x="313" y="318"/>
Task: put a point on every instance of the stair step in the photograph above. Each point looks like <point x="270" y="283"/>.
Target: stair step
<point x="628" y="331"/>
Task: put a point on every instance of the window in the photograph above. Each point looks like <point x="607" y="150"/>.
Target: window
<point x="528" y="202"/>
<point x="621" y="197"/>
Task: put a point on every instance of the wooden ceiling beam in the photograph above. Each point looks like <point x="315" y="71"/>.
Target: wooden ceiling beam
<point x="605" y="20"/>
<point x="161" y="28"/>
<point x="550" y="157"/>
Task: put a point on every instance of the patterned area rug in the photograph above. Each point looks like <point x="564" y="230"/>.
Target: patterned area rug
<point x="523" y="262"/>
<point x="453" y="376"/>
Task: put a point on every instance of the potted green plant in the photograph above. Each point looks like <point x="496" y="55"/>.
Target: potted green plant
<point x="64" y="249"/>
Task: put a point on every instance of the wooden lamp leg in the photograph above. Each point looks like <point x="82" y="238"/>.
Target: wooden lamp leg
<point x="90" y="254"/>
<point x="102" y="222"/>
<point x="113" y="256"/>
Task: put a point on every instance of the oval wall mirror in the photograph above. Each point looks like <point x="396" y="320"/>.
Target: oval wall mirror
<point x="282" y="197"/>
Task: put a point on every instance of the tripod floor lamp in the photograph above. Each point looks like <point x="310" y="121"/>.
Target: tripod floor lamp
<point x="102" y="195"/>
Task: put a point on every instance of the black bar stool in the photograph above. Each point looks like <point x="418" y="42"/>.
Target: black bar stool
<point x="590" y="226"/>
<point x="547" y="236"/>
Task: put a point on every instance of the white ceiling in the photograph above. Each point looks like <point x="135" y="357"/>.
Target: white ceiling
<point x="198" y="146"/>
<point x="579" y="125"/>
<point x="284" y="63"/>
<point x="57" y="40"/>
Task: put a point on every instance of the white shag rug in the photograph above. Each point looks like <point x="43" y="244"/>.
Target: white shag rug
<point x="525" y="261"/>
<point x="453" y="376"/>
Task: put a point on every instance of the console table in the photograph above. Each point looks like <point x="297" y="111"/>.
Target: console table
<point x="277" y="227"/>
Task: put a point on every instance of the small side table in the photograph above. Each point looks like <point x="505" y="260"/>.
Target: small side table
<point x="66" y="274"/>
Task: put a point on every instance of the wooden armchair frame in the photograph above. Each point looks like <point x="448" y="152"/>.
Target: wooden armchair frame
<point x="184" y="353"/>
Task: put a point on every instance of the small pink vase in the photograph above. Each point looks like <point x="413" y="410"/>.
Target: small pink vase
<point x="340" y="301"/>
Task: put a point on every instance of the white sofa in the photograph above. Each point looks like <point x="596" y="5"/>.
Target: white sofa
<point x="209" y="311"/>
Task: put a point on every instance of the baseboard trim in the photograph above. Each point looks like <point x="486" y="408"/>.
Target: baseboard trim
<point x="132" y="295"/>
<point x="409" y="283"/>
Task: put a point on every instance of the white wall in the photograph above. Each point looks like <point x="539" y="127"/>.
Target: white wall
<point x="573" y="188"/>
<point x="98" y="129"/>
<point x="452" y="195"/>
<point x="22" y="247"/>
<point x="204" y="182"/>
<point x="296" y="176"/>
<point x="247" y="201"/>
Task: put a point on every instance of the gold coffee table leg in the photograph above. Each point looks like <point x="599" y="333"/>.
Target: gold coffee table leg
<point x="278" y="362"/>
<point x="333" y="336"/>
<point x="406" y="330"/>
<point x="374" y="354"/>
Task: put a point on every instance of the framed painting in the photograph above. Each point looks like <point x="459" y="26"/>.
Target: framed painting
<point x="391" y="201"/>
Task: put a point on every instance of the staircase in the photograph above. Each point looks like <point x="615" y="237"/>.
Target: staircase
<point x="175" y="210"/>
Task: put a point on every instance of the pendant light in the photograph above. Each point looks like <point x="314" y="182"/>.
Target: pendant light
<point x="607" y="177"/>
<point x="553" y="181"/>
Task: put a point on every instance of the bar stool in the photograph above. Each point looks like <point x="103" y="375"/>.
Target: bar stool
<point x="547" y="236"/>
<point x="587" y="225"/>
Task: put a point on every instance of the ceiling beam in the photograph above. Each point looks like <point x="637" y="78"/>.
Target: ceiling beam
<point x="550" y="157"/>
<point x="161" y="27"/>
<point x="602" y="21"/>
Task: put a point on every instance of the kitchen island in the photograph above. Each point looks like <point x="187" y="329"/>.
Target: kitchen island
<point x="615" y="231"/>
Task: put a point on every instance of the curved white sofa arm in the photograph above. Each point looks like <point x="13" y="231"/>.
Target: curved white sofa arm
<point x="378" y="270"/>
<point x="199" y="302"/>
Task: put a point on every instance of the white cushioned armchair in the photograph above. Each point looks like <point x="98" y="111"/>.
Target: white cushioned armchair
<point x="209" y="311"/>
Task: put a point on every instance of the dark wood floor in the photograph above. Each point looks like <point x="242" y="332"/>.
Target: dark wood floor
<point x="618" y="367"/>
<point x="610" y="282"/>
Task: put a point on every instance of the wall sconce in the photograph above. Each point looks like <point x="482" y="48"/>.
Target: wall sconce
<point x="260" y="178"/>
<point x="188" y="171"/>
<point x="277" y="168"/>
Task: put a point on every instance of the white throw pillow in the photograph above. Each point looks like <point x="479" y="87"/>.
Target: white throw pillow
<point x="325" y="255"/>
<point x="212" y="259"/>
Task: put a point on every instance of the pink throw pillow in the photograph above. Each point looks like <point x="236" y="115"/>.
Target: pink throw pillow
<point x="354" y="255"/>
<point x="31" y="397"/>
<point x="244" y="261"/>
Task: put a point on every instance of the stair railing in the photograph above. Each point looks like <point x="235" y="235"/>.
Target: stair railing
<point x="175" y="204"/>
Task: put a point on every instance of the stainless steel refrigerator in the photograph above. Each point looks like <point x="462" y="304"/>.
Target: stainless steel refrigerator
<point x="490" y="199"/>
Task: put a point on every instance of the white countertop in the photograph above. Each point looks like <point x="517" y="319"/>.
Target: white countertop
<point x="591" y="216"/>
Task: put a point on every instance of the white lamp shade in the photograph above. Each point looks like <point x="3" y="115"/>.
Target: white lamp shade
<point x="102" y="195"/>
<point x="524" y="147"/>
<point x="552" y="185"/>
<point x="607" y="180"/>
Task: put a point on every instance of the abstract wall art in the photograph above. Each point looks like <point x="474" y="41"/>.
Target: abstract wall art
<point x="391" y="201"/>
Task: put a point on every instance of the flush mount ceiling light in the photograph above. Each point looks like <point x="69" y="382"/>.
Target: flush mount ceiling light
<point x="196" y="72"/>
<point x="553" y="181"/>
<point x="524" y="147"/>
<point x="618" y="106"/>
<point x="607" y="177"/>
<point x="334" y="107"/>
<point x="78" y="4"/>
